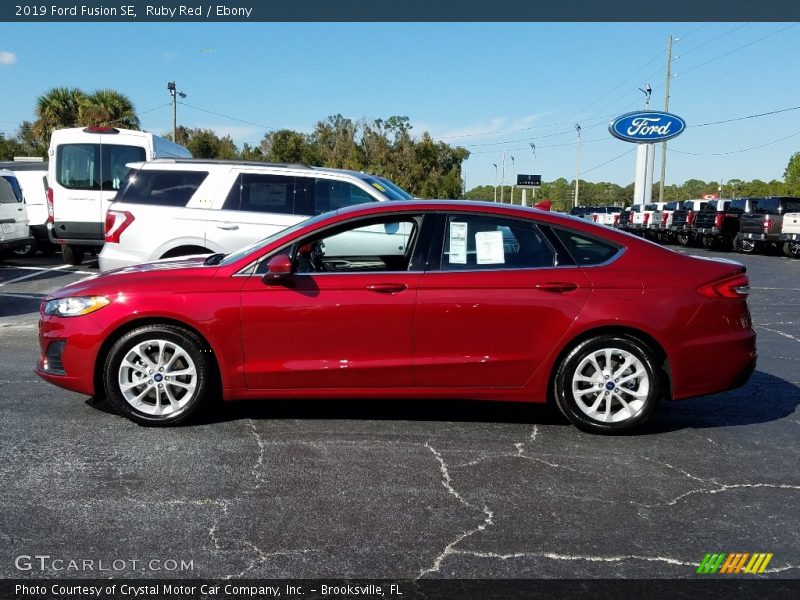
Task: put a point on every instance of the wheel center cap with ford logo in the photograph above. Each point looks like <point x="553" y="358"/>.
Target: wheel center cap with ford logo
<point x="646" y="126"/>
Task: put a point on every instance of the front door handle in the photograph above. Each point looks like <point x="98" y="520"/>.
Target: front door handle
<point x="559" y="287"/>
<point x="387" y="288"/>
<point x="228" y="226"/>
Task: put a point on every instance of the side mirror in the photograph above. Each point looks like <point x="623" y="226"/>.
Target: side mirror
<point x="278" y="268"/>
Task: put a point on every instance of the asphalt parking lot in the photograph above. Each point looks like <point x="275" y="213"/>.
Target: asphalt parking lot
<point x="398" y="489"/>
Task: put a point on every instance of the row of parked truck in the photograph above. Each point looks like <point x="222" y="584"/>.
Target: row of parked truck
<point x="743" y="224"/>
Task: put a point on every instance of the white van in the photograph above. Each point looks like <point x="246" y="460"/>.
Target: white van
<point x="85" y="170"/>
<point x="14" y="231"/>
<point x="32" y="177"/>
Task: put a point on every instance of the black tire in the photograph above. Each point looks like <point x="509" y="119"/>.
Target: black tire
<point x="791" y="249"/>
<point x="72" y="254"/>
<point x="684" y="239"/>
<point x="637" y="411"/>
<point x="25" y="251"/>
<point x="746" y="246"/>
<point x="178" y="398"/>
<point x="710" y="243"/>
<point x="47" y="248"/>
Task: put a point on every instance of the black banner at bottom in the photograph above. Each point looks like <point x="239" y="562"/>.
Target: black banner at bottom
<point x="430" y="589"/>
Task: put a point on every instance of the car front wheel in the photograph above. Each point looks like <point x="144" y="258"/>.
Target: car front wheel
<point x="157" y="374"/>
<point x="608" y="384"/>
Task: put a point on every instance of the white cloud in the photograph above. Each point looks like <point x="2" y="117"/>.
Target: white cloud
<point x="7" y="58"/>
<point x="486" y="129"/>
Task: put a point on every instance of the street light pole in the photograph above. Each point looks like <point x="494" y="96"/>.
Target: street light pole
<point x="511" y="201"/>
<point x="174" y="93"/>
<point x="578" y="165"/>
<point x="495" y="181"/>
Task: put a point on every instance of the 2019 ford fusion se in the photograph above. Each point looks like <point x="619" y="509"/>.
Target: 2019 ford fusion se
<point x="410" y="299"/>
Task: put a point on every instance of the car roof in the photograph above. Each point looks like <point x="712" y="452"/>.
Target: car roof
<point x="251" y="163"/>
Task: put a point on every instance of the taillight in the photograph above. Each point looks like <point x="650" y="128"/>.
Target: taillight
<point x="718" y="220"/>
<point x="616" y="219"/>
<point x="50" y="213"/>
<point x="594" y="217"/>
<point x="768" y="223"/>
<point x="646" y="218"/>
<point x="690" y="217"/>
<point x="117" y="221"/>
<point x="733" y="286"/>
<point x="664" y="218"/>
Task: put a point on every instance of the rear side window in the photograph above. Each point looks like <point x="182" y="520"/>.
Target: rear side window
<point x="484" y="242"/>
<point x="264" y="193"/>
<point x="162" y="188"/>
<point x="95" y="167"/>
<point x="586" y="250"/>
<point x="9" y="190"/>
<point x="674" y="205"/>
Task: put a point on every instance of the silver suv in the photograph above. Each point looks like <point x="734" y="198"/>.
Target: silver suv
<point x="174" y="207"/>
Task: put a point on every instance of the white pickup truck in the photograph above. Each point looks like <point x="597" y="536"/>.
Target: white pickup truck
<point x="790" y="234"/>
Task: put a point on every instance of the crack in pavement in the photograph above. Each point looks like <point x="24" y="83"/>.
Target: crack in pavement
<point x="590" y="558"/>
<point x="254" y="471"/>
<point x="447" y="482"/>
<point x="786" y="335"/>
<point x="266" y="556"/>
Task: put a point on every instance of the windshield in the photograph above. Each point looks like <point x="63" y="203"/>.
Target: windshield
<point x="387" y="188"/>
<point x="255" y="246"/>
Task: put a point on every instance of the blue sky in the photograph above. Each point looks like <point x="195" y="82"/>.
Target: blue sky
<point x="490" y="87"/>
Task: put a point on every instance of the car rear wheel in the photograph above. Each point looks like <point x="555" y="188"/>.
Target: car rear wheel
<point x="157" y="375"/>
<point x="608" y="384"/>
<point x="791" y="249"/>
<point x="684" y="239"/>
<point x="72" y="254"/>
<point x="710" y="242"/>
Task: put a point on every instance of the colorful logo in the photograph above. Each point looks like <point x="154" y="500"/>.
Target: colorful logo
<point x="647" y="127"/>
<point x="732" y="563"/>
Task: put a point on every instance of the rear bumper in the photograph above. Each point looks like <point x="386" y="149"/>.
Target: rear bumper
<point x="713" y="365"/>
<point x="16" y="243"/>
<point x="790" y="237"/>
<point x="761" y="237"/>
<point x="113" y="257"/>
<point x="85" y="234"/>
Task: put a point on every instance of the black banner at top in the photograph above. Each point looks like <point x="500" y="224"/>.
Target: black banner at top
<point x="398" y="10"/>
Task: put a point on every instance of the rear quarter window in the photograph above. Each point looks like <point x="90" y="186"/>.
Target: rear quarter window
<point x="10" y="192"/>
<point x="161" y="188"/>
<point x="586" y="250"/>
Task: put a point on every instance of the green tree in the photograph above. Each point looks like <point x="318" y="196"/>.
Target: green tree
<point x="58" y="108"/>
<point x="107" y="107"/>
<point x="288" y="146"/>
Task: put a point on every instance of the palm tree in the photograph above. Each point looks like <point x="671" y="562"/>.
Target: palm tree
<point x="108" y="107"/>
<point x="58" y="108"/>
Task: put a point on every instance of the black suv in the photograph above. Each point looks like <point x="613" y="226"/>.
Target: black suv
<point x="762" y="227"/>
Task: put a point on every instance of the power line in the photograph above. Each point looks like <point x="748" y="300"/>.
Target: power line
<point x="609" y="161"/>
<point x="772" y="112"/>
<point x="211" y="112"/>
<point x="796" y="133"/>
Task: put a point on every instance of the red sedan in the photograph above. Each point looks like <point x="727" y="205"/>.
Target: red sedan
<point x="418" y="299"/>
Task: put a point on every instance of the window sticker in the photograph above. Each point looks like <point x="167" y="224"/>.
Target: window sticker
<point x="489" y="248"/>
<point x="458" y="243"/>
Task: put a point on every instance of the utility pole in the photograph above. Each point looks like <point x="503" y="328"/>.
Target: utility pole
<point x="533" y="192"/>
<point x="503" y="178"/>
<point x="666" y="109"/>
<point x="578" y="164"/>
<point x="511" y="200"/>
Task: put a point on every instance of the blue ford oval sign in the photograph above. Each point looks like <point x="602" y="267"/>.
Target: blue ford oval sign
<point x="647" y="126"/>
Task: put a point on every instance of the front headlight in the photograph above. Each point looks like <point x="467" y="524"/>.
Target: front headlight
<point x="72" y="307"/>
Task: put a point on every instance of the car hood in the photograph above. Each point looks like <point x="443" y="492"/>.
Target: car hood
<point x="118" y="280"/>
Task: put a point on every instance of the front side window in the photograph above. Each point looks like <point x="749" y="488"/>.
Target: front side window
<point x="485" y="242"/>
<point x="95" y="166"/>
<point x="586" y="250"/>
<point x="331" y="194"/>
<point x="161" y="188"/>
<point x="376" y="244"/>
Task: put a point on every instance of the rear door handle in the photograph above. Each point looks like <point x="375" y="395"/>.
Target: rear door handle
<point x="387" y="288"/>
<point x="559" y="287"/>
<point x="228" y="226"/>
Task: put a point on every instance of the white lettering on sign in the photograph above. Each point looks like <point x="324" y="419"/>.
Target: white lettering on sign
<point x="647" y="126"/>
